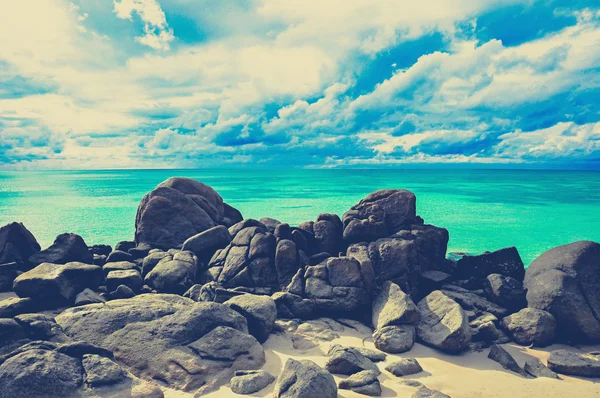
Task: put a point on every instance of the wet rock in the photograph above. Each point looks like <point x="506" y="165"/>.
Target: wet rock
<point x="65" y="249"/>
<point x="394" y="339"/>
<point x="443" y="323"/>
<point x="531" y="326"/>
<point x="304" y="379"/>
<point x="505" y="291"/>
<point x="17" y="245"/>
<point x="536" y="368"/>
<point x="500" y="355"/>
<point x="506" y="262"/>
<point x="574" y="363"/>
<point x="404" y="367"/>
<point x="347" y="361"/>
<point x="259" y="311"/>
<point x="248" y="382"/>
<point x="364" y="382"/>
<point x="392" y="306"/>
<point x="564" y="281"/>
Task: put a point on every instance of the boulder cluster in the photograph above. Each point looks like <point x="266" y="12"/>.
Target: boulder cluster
<point x="190" y="300"/>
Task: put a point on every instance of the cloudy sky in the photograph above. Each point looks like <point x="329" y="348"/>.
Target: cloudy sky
<point x="305" y="83"/>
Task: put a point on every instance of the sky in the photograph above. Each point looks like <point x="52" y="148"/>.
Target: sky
<point x="102" y="84"/>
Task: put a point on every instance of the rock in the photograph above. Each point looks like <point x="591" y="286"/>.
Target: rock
<point x="379" y="215"/>
<point x="118" y="256"/>
<point x="187" y="345"/>
<point x="483" y="328"/>
<point x="310" y="334"/>
<point x="176" y="210"/>
<point x="56" y="283"/>
<point x="8" y="273"/>
<point x="364" y="382"/>
<point x="293" y="306"/>
<point x="564" y="281"/>
<point x="531" y="326"/>
<point x="394" y="339"/>
<point x="327" y="233"/>
<point x="502" y="356"/>
<point x="536" y="368"/>
<point x="40" y="373"/>
<point x="130" y="278"/>
<point x="575" y="364"/>
<point x="347" y="361"/>
<point x="206" y="243"/>
<point x="125" y="246"/>
<point x="119" y="266"/>
<point x="469" y="300"/>
<point x="506" y="262"/>
<point x="393" y="307"/>
<point x="304" y="379"/>
<point x="17" y="244"/>
<point x="121" y="292"/>
<point x="404" y="367"/>
<point x="247" y="223"/>
<point x="248" y="382"/>
<point x="175" y="273"/>
<point x="101" y="250"/>
<point x="13" y="306"/>
<point x="372" y="355"/>
<point x="140" y="251"/>
<point x="433" y="280"/>
<point x="65" y="249"/>
<point x="231" y="215"/>
<point x="101" y="371"/>
<point x="270" y="223"/>
<point x="443" y="323"/>
<point x="10" y="332"/>
<point x="425" y="392"/>
<point x="41" y="327"/>
<point x="259" y="311"/>
<point x="286" y="261"/>
<point x="505" y="291"/>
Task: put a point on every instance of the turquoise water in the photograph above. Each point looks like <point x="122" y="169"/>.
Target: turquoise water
<point x="482" y="209"/>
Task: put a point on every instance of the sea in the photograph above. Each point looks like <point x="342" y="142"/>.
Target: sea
<point x="533" y="210"/>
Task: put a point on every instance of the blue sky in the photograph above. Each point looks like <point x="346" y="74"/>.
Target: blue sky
<point x="299" y="83"/>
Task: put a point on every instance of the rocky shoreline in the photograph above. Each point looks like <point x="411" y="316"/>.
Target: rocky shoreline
<point x="190" y="302"/>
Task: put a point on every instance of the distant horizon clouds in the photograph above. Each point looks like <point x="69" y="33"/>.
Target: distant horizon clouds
<point x="87" y="84"/>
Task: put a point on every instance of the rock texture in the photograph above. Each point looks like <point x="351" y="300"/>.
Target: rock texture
<point x="173" y="273"/>
<point x="259" y="311"/>
<point x="394" y="339"/>
<point x="347" y="361"/>
<point x="500" y="355"/>
<point x="66" y="248"/>
<point x="17" y="244"/>
<point x="531" y="327"/>
<point x="364" y="382"/>
<point x="575" y="364"/>
<point x="304" y="379"/>
<point x="404" y="367"/>
<point x="505" y="262"/>
<point x="392" y="306"/>
<point x="248" y="382"/>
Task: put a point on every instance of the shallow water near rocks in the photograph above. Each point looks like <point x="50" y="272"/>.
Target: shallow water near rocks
<point x="482" y="209"/>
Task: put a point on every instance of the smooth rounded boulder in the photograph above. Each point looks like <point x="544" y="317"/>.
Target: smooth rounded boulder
<point x="17" y="244"/>
<point x="531" y="326"/>
<point x="304" y="379"/>
<point x="259" y="311"/>
<point x="564" y="281"/>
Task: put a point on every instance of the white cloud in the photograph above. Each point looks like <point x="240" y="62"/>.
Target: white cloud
<point x="158" y="34"/>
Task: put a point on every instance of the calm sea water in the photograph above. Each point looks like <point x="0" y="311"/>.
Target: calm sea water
<point x="482" y="209"/>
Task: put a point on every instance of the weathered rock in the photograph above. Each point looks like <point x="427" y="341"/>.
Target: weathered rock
<point x="364" y="382"/>
<point x="483" y="328"/>
<point x="372" y="355"/>
<point x="8" y="273"/>
<point x="177" y="209"/>
<point x="505" y="262"/>
<point x="433" y="280"/>
<point x="259" y="311"/>
<point x="470" y="300"/>
<point x="393" y="307"/>
<point x="175" y="273"/>
<point x="13" y="306"/>
<point x="505" y="291"/>
<point x="379" y="214"/>
<point x="130" y="278"/>
<point x="425" y="392"/>
<point x="121" y="292"/>
<point x="531" y="326"/>
<point x="443" y="323"/>
<point x="536" y="368"/>
<point x="17" y="244"/>
<point x="101" y="250"/>
<point x="101" y="371"/>
<point x="574" y="363"/>
<point x="125" y="245"/>
<point x="310" y="334"/>
<point x="248" y="382"/>
<point x="500" y="355"/>
<point x="564" y="281"/>
<point x="304" y="379"/>
<point x="65" y="249"/>
<point x="41" y="327"/>
<point x="394" y="339"/>
<point x="10" y="332"/>
<point x="207" y="242"/>
<point x="57" y="283"/>
<point x="293" y="306"/>
<point x="286" y="261"/>
<point x="119" y="266"/>
<point x="247" y="223"/>
<point x="118" y="256"/>
<point x="347" y="361"/>
<point x="404" y="367"/>
<point x="328" y="232"/>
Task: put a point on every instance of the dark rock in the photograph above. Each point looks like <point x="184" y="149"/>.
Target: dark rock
<point x="101" y="250"/>
<point x="259" y="311"/>
<point x="177" y="209"/>
<point x="247" y="223"/>
<point x="505" y="291"/>
<point x="207" y="242"/>
<point x="564" y="281"/>
<point x="293" y="306"/>
<point x="574" y="363"/>
<point x="328" y="232"/>
<point x="483" y="328"/>
<point x="531" y="326"/>
<point x="194" y="293"/>
<point x="443" y="323"/>
<point x="231" y="215"/>
<point x="80" y="348"/>
<point x="175" y="273"/>
<point x="65" y="249"/>
<point x="101" y="371"/>
<point x="392" y="306"/>
<point x="17" y="245"/>
<point x="394" y="339"/>
<point x="502" y="356"/>
<point x="283" y="231"/>
<point x="506" y="262"/>
<point x="117" y="256"/>
<point x="425" y="392"/>
<point x="10" y="332"/>
<point x="347" y="361"/>
<point x="14" y="306"/>
<point x="473" y="301"/>
<point x="125" y="246"/>
<point x="121" y="292"/>
<point x="270" y="223"/>
<point x="99" y="259"/>
<point x="55" y="283"/>
<point x="41" y="327"/>
<point x="404" y="367"/>
<point x="304" y="379"/>
<point x="378" y="215"/>
<point x="248" y="382"/>
<point x="536" y="368"/>
<point x="364" y="382"/>
<point x="318" y="258"/>
<point x="286" y="261"/>
<point x="140" y="251"/>
<point x="130" y="278"/>
<point x="119" y="266"/>
<point x="151" y="260"/>
<point x="372" y="355"/>
<point x="433" y="280"/>
<point x="8" y="273"/>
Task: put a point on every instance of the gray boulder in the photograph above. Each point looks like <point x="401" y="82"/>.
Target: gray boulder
<point x="531" y="326"/>
<point x="392" y="306"/>
<point x="394" y="339"/>
<point x="130" y="278"/>
<point x="347" y="361"/>
<point x="8" y="273"/>
<point x="41" y="327"/>
<point x="207" y="242"/>
<point x="574" y="363"/>
<point x="248" y="382"/>
<point x="101" y="371"/>
<point x="65" y="249"/>
<point x="534" y="367"/>
<point x="443" y="323"/>
<point x="327" y="231"/>
<point x="88" y="296"/>
<point x="304" y="379"/>
<point x="175" y="273"/>
<point x="505" y="291"/>
<point x="404" y="367"/>
<point x="500" y="355"/>
<point x="564" y="281"/>
<point x="259" y="311"/>
<point x="13" y="306"/>
<point x="364" y="382"/>
<point x="117" y="256"/>
<point x="17" y="244"/>
<point x="505" y="262"/>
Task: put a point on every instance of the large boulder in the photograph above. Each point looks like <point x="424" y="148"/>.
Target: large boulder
<point x="304" y="379"/>
<point x="8" y="273"/>
<point x="17" y="244"/>
<point x="327" y="231"/>
<point x="505" y="291"/>
<point x="505" y="261"/>
<point x="564" y="281"/>
<point x="259" y="311"/>
<point x="65" y="249"/>
<point x="178" y="209"/>
<point x="379" y="214"/>
<point x="394" y="339"/>
<point x="195" y="347"/>
<point x="206" y="243"/>
<point x="54" y="284"/>
<point x="531" y="326"/>
<point x="443" y="324"/>
<point x="575" y="363"/>
<point x="347" y="361"/>
<point x="174" y="273"/>
<point x="393" y="307"/>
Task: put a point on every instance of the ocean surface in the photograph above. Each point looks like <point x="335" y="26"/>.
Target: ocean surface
<point x="482" y="209"/>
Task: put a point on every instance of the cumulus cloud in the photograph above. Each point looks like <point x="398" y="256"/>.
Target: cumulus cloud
<point x="157" y="33"/>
